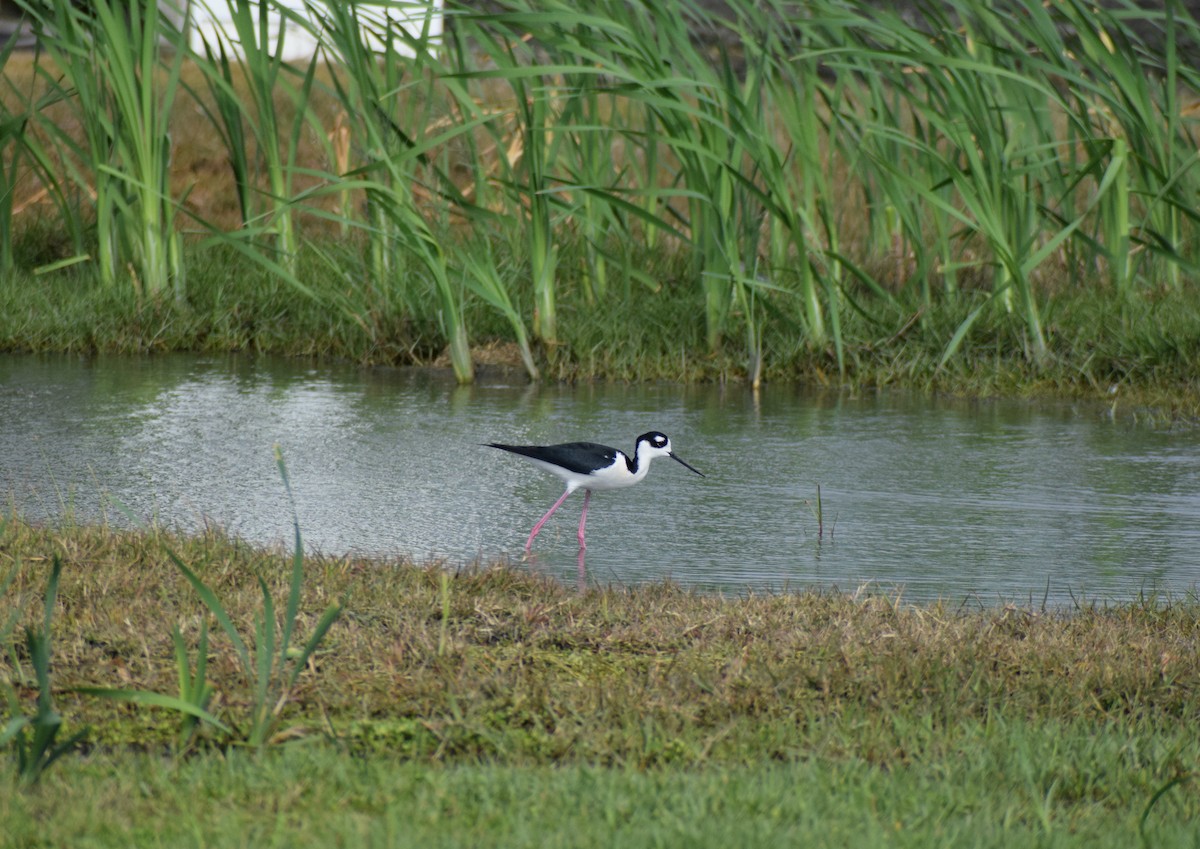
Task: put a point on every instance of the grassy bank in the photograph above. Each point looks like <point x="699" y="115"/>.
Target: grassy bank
<point x="505" y="706"/>
<point x="972" y="197"/>
<point x="1138" y="353"/>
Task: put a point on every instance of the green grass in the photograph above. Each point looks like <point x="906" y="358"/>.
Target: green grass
<point x="492" y="706"/>
<point x="1003" y="786"/>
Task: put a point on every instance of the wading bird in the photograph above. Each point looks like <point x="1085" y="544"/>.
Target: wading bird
<point x="592" y="466"/>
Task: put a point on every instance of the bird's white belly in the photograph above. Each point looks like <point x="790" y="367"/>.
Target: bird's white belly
<point x="611" y="477"/>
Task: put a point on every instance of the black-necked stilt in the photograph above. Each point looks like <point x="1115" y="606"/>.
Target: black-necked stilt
<point x="592" y="466"/>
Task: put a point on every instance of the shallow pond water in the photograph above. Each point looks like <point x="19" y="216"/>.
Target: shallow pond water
<point x="980" y="500"/>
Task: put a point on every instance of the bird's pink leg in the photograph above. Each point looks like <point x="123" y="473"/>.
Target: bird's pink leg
<point x="542" y="520"/>
<point x="587" y="496"/>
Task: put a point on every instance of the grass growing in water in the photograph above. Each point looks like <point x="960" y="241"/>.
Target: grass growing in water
<point x="1072" y="721"/>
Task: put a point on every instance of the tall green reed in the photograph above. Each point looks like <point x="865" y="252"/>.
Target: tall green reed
<point x="969" y="137"/>
<point x="24" y="146"/>
<point x="1136" y="112"/>
<point x="534" y="105"/>
<point x="996" y="131"/>
<point x="522" y="169"/>
<point x="118" y="67"/>
<point x="836" y="156"/>
<point x="385" y="91"/>
<point x="375" y="155"/>
<point x="13" y="127"/>
<point x="483" y="278"/>
<point x="961" y="138"/>
<point x="691" y="105"/>
<point x="805" y="234"/>
<point x="255" y="49"/>
<point x="562" y="134"/>
<point x="588" y="164"/>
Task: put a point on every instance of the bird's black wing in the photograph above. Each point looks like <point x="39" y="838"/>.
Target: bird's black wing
<point x="579" y="457"/>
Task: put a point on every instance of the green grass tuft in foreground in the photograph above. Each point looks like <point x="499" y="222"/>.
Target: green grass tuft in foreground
<point x="535" y="715"/>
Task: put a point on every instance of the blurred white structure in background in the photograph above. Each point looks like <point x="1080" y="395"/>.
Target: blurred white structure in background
<point x="210" y="17"/>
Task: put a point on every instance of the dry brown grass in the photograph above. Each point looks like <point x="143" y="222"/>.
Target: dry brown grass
<point x="528" y="668"/>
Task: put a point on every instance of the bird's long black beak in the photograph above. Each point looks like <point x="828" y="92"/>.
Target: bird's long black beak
<point x="677" y="459"/>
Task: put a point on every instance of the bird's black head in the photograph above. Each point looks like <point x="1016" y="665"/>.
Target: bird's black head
<point x="655" y="438"/>
<point x="658" y="446"/>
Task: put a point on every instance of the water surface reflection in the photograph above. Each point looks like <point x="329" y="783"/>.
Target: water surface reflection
<point x="1000" y="500"/>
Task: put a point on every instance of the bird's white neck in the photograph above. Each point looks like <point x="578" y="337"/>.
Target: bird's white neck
<point x="641" y="462"/>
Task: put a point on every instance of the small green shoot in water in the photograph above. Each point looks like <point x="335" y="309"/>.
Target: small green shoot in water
<point x="819" y="514"/>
